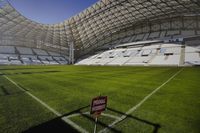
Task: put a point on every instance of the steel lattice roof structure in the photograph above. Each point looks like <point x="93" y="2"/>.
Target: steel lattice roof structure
<point x="102" y="23"/>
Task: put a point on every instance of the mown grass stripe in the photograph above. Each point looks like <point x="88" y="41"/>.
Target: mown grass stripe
<point x="80" y="129"/>
<point x="140" y="103"/>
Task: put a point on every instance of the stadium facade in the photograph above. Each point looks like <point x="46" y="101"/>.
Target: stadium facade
<point x="110" y="32"/>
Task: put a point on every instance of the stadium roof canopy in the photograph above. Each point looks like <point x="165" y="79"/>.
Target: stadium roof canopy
<point x="94" y="24"/>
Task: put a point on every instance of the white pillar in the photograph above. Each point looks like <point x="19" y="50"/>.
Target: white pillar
<point x="71" y="53"/>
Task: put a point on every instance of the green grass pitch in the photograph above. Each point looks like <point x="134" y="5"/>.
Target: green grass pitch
<point x="174" y="108"/>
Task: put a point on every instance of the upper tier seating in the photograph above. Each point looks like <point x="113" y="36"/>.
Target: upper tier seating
<point x="40" y="52"/>
<point x="54" y="54"/>
<point x="25" y="51"/>
<point x="154" y="35"/>
<point x="7" y="50"/>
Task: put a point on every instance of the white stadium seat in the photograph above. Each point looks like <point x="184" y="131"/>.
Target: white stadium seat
<point x="7" y="50"/>
<point x="40" y="52"/>
<point x="166" y="60"/>
<point x="29" y="56"/>
<point x="4" y="62"/>
<point x="53" y="54"/>
<point x="158" y="54"/>
<point x="26" y="51"/>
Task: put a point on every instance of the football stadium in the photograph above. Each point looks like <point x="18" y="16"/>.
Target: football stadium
<point x="121" y="66"/>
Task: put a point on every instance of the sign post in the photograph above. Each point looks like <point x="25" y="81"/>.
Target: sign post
<point x="98" y="105"/>
<point x="95" y="126"/>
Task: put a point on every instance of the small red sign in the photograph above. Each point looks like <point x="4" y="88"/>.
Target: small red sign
<point x="98" y="105"/>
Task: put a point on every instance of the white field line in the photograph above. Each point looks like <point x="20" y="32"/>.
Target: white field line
<point x="111" y="116"/>
<point x="140" y="103"/>
<point x="80" y="129"/>
<point x="87" y="113"/>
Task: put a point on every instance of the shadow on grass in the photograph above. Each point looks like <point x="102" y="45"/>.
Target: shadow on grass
<point x="102" y="124"/>
<point x="113" y="129"/>
<point x="24" y="68"/>
<point x="154" y="125"/>
<point x="25" y="73"/>
<point x="52" y="126"/>
<point x="6" y="92"/>
<point x="57" y="125"/>
<point x="91" y="118"/>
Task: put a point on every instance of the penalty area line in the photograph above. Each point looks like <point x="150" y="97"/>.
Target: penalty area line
<point x="88" y="113"/>
<point x="68" y="121"/>
<point x="139" y="104"/>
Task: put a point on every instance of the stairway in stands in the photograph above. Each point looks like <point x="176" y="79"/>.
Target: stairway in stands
<point x="182" y="57"/>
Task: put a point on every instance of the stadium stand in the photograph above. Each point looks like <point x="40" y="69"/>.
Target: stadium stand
<point x="7" y="50"/>
<point x="151" y="55"/>
<point x="11" y="55"/>
<point x="4" y="59"/>
<point x="192" y="56"/>
<point x="25" y="51"/>
<point x="40" y="52"/>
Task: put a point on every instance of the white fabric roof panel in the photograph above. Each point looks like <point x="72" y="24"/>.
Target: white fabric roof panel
<point x="94" y="24"/>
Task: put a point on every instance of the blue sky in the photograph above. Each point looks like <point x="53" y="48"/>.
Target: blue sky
<point x="50" y="11"/>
